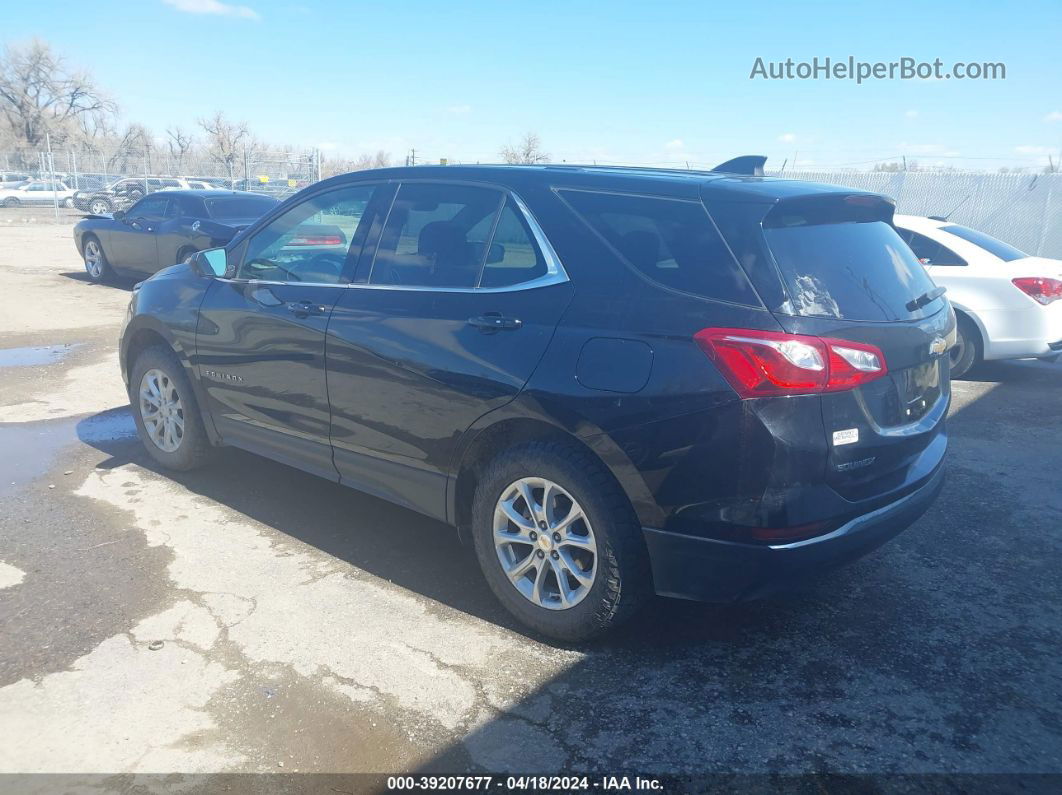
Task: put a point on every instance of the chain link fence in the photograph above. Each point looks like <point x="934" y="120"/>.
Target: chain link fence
<point x="1024" y="210"/>
<point x="118" y="178"/>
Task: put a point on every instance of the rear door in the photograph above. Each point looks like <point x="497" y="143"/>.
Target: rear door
<point x="846" y="274"/>
<point x="447" y="320"/>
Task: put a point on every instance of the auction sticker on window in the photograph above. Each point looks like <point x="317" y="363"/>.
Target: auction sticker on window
<point x="849" y="436"/>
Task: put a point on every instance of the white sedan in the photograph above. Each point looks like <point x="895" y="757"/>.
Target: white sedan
<point x="1008" y="304"/>
<point x="37" y="192"/>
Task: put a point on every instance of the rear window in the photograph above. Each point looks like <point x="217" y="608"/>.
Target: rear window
<point x="1004" y="251"/>
<point x="672" y="242"/>
<point x="839" y="256"/>
<point x="244" y="207"/>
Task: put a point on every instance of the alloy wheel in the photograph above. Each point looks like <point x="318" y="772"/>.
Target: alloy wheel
<point x="161" y="410"/>
<point x="93" y="259"/>
<point x="98" y="207"/>
<point x="545" y="543"/>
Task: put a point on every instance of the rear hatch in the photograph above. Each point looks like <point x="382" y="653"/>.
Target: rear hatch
<point x="845" y="274"/>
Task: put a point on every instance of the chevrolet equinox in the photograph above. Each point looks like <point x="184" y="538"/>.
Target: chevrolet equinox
<point x="612" y="381"/>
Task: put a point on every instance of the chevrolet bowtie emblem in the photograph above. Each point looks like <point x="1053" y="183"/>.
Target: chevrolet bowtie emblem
<point x="938" y="346"/>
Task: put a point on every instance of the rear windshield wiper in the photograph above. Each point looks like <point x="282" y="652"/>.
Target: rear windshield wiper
<point x="926" y="298"/>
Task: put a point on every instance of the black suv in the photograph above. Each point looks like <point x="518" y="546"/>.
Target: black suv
<point x="613" y="382"/>
<point x="122" y="193"/>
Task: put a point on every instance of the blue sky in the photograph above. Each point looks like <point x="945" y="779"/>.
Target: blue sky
<point x="625" y="82"/>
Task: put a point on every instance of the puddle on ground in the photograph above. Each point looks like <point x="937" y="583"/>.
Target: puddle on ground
<point x="32" y="448"/>
<point x="31" y="357"/>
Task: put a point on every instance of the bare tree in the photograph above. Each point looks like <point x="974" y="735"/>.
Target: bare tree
<point x="40" y="95"/>
<point x="132" y="151"/>
<point x="227" y="141"/>
<point x="179" y="143"/>
<point x="380" y="159"/>
<point x="527" y="151"/>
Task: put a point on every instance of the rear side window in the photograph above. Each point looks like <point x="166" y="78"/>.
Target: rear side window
<point x="512" y="257"/>
<point x="848" y="269"/>
<point x="436" y="235"/>
<point x="1004" y="251"/>
<point x="930" y="252"/>
<point x="671" y="242"/>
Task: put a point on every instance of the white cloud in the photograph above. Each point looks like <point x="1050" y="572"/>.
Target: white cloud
<point x="215" y="7"/>
<point x="459" y="109"/>
<point x="1053" y="116"/>
<point x="911" y="114"/>
<point x="787" y="138"/>
<point x="674" y="145"/>
<point x="1033" y="150"/>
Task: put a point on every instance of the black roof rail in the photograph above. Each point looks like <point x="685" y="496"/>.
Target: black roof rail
<point x="750" y="165"/>
<point x="937" y="218"/>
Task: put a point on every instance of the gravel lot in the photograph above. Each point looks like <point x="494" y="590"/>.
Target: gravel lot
<point x="306" y="627"/>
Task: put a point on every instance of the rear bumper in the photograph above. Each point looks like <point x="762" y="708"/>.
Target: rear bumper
<point x="711" y="570"/>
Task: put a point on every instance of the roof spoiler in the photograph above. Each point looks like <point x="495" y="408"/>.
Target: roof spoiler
<point x="750" y="165"/>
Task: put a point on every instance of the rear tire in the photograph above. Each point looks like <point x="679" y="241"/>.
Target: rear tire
<point x="967" y="351"/>
<point x="99" y="206"/>
<point x="96" y="265"/>
<point x="186" y="253"/>
<point x="166" y="412"/>
<point x="598" y="595"/>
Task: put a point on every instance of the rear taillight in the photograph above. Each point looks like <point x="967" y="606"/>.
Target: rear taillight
<point x="1040" y="288"/>
<point x="773" y="363"/>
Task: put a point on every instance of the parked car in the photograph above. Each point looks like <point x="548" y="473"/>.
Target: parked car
<point x="11" y="179"/>
<point x="1007" y="302"/>
<point x="162" y="229"/>
<point x="123" y="192"/>
<point x="36" y="192"/>
<point x="612" y="381"/>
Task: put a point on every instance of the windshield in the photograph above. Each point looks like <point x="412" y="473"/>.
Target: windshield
<point x="239" y="207"/>
<point x="998" y="248"/>
<point x="852" y="271"/>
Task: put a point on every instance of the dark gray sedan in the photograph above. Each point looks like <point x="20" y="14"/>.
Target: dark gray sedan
<point x="164" y="228"/>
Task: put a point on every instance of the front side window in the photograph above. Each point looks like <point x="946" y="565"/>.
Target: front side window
<point x="436" y="235"/>
<point x="672" y="242"/>
<point x="311" y="241"/>
<point x="150" y="207"/>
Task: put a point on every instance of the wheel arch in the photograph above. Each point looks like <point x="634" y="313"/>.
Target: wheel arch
<point x="485" y="442"/>
<point x="962" y="313"/>
<point x="148" y="332"/>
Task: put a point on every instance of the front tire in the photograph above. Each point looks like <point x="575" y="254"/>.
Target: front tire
<point x="166" y="412"/>
<point x="96" y="265"/>
<point x="558" y="541"/>
<point x="11" y="201"/>
<point x="967" y="350"/>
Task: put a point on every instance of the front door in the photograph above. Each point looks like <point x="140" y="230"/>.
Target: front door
<point x="260" y="342"/>
<point x="133" y="243"/>
<point x="444" y="324"/>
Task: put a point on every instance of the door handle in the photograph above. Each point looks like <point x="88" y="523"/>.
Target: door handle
<point x="305" y="308"/>
<point x="493" y="321"/>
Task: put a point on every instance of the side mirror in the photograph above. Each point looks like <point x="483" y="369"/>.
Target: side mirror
<point x="496" y="253"/>
<point x="118" y="215"/>
<point x="211" y="263"/>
